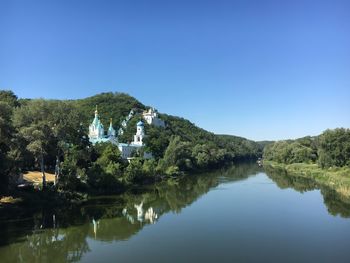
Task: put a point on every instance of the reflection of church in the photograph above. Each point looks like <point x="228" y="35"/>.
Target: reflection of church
<point x="97" y="135"/>
<point x="149" y="216"/>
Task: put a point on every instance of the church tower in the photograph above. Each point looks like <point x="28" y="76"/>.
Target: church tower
<point x="96" y="129"/>
<point x="140" y="134"/>
<point x="111" y="131"/>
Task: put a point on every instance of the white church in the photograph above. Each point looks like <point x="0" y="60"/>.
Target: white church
<point x="97" y="133"/>
<point x="151" y="117"/>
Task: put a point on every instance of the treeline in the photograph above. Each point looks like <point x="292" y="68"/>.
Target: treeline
<point x="330" y="149"/>
<point x="50" y="135"/>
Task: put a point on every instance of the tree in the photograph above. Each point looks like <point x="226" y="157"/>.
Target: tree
<point x="201" y="154"/>
<point x="50" y="129"/>
<point x="9" y="97"/>
<point x="8" y="168"/>
<point x="5" y="140"/>
<point x="157" y="140"/>
<point x="134" y="172"/>
<point x="110" y="160"/>
<point x="334" y="148"/>
<point x="301" y="154"/>
<point x="149" y="168"/>
<point x="31" y="122"/>
<point x="178" y="153"/>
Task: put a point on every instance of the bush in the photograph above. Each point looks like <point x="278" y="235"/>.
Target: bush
<point x="334" y="148"/>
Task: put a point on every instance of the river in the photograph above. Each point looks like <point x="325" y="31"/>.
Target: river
<point x="239" y="214"/>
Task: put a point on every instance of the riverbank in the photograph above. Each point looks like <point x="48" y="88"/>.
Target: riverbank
<point x="335" y="178"/>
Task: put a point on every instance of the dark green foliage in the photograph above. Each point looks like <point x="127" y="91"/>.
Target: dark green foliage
<point x="239" y="148"/>
<point x="130" y="129"/>
<point x="262" y="145"/>
<point x="9" y="168"/>
<point x="110" y="105"/>
<point x="111" y="162"/>
<point x="186" y="130"/>
<point x="223" y="148"/>
<point x="48" y="127"/>
<point x="5" y="144"/>
<point x="289" y="152"/>
<point x="149" y="168"/>
<point x="10" y="98"/>
<point x="157" y="140"/>
<point x="134" y="172"/>
<point x="205" y="149"/>
<point x="35" y="133"/>
<point x="334" y="148"/>
<point x="331" y="148"/>
<point x="178" y="154"/>
<point x="73" y="177"/>
<point x="101" y="182"/>
<point x="209" y="156"/>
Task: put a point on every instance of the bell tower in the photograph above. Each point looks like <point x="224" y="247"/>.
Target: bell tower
<point x="140" y="134"/>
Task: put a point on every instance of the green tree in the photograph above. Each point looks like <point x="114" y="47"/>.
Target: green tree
<point x="178" y="153"/>
<point x="8" y="168"/>
<point x="49" y="129"/>
<point x="5" y="140"/>
<point x="9" y="97"/>
<point x="134" y="171"/>
<point x="149" y="168"/>
<point x="201" y="154"/>
<point x="157" y="140"/>
<point x="110" y="160"/>
<point x="334" y="148"/>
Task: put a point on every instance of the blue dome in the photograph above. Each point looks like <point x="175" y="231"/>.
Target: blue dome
<point x="140" y="123"/>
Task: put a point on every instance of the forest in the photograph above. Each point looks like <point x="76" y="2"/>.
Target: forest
<point x="324" y="159"/>
<point x="330" y="149"/>
<point x="39" y="134"/>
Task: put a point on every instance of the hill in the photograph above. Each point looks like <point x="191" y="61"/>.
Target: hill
<point x="110" y="105"/>
<point x="118" y="105"/>
<point x="40" y="134"/>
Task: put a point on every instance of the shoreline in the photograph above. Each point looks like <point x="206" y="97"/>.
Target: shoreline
<point x="336" y="178"/>
<point x="33" y="199"/>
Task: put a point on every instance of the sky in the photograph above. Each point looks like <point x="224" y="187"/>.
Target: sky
<point x="264" y="70"/>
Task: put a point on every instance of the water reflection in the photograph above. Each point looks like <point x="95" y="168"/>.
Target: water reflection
<point x="95" y="225"/>
<point x="65" y="234"/>
<point x="62" y="235"/>
<point x="335" y="203"/>
<point x="149" y="216"/>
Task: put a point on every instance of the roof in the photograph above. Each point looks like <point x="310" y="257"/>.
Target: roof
<point x="129" y="145"/>
<point x="111" y="128"/>
<point x="140" y="123"/>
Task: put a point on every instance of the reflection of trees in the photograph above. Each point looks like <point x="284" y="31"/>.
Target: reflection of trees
<point x="335" y="203"/>
<point x="48" y="245"/>
<point x="283" y="180"/>
<point x="173" y="195"/>
<point x="63" y="237"/>
<point x="176" y="196"/>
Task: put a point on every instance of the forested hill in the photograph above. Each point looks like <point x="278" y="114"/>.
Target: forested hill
<point x="329" y="149"/>
<point x="39" y="133"/>
<point x="110" y="105"/>
<point x="118" y="105"/>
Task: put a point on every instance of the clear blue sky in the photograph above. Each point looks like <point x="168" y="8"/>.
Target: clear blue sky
<point x="258" y="69"/>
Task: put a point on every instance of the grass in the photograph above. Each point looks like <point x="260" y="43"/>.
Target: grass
<point x="9" y="200"/>
<point x="337" y="178"/>
<point x="36" y="177"/>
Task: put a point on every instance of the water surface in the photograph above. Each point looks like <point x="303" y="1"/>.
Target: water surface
<point x="240" y="214"/>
